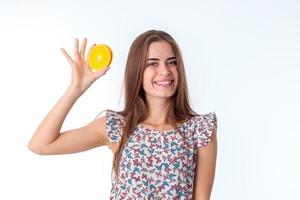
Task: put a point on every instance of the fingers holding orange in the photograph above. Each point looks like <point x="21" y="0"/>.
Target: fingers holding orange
<point x="99" y="56"/>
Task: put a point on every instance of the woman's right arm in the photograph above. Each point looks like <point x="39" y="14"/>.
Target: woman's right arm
<point x="47" y="139"/>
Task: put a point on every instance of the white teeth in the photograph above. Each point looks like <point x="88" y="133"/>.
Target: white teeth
<point x="164" y="82"/>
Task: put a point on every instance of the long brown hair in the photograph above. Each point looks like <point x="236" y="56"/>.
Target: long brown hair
<point x="135" y="110"/>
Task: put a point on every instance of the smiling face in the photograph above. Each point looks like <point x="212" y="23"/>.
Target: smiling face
<point x="160" y="78"/>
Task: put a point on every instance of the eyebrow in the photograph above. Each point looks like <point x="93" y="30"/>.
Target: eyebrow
<point x="156" y="59"/>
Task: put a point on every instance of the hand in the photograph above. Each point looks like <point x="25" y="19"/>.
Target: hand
<point x="82" y="75"/>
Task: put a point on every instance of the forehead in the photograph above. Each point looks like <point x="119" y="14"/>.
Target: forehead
<point x="160" y="49"/>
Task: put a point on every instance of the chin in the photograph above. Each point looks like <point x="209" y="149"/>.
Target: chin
<point x="162" y="95"/>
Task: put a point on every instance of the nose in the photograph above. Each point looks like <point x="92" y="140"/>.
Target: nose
<point x="164" y="69"/>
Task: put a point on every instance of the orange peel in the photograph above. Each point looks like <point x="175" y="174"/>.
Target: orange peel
<point x="100" y="57"/>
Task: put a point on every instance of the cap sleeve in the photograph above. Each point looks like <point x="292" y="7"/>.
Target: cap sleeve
<point x="204" y="126"/>
<point x="113" y="125"/>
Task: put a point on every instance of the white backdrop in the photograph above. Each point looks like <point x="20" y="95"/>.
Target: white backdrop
<point x="242" y="61"/>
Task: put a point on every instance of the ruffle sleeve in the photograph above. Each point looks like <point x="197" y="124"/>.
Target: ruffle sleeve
<point x="114" y="125"/>
<point x="204" y="126"/>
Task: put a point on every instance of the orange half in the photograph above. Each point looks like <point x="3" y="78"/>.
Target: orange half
<point x="100" y="57"/>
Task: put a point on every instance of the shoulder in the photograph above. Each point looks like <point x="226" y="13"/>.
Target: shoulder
<point x="203" y="128"/>
<point x="113" y="113"/>
<point x="114" y="125"/>
<point x="114" y="117"/>
<point x="207" y="119"/>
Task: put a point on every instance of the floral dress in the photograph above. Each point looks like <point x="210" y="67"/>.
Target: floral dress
<point x="158" y="164"/>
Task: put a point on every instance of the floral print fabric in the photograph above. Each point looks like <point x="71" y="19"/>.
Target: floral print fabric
<point x="158" y="164"/>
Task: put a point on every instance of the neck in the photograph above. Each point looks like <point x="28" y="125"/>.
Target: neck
<point x="158" y="109"/>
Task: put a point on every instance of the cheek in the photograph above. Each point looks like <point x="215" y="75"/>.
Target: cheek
<point x="175" y="73"/>
<point x="147" y="78"/>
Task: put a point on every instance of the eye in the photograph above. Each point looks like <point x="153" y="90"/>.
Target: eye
<point x="152" y="64"/>
<point x="173" y="62"/>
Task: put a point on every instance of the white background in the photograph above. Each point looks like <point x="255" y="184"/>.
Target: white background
<point x="242" y="60"/>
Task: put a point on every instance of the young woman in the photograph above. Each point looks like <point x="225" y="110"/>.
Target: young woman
<point x="162" y="148"/>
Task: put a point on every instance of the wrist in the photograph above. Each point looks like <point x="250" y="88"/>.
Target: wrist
<point x="74" y="90"/>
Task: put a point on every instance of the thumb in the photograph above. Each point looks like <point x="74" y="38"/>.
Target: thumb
<point x="102" y="72"/>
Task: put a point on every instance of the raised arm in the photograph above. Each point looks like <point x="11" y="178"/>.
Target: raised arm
<point x="48" y="139"/>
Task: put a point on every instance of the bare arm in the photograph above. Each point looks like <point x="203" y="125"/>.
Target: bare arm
<point x="77" y="140"/>
<point x="205" y="169"/>
<point x="49" y="129"/>
<point x="47" y="138"/>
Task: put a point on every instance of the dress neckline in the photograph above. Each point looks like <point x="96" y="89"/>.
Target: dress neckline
<point x="163" y="131"/>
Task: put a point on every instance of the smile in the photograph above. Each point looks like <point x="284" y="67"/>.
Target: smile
<point x="164" y="84"/>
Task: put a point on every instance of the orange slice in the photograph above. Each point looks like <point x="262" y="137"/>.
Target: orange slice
<point x="100" y="57"/>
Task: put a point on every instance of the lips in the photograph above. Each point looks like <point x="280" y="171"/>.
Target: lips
<point x="163" y="80"/>
<point x="165" y="83"/>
